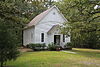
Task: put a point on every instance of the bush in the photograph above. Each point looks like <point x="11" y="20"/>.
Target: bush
<point x="68" y="45"/>
<point x="37" y="47"/>
<point x="31" y="45"/>
<point x="97" y="46"/>
<point x="54" y="47"/>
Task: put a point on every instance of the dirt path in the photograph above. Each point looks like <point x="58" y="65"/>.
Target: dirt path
<point x="22" y="49"/>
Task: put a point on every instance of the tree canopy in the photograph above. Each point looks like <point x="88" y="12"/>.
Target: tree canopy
<point x="83" y="22"/>
<point x="14" y="15"/>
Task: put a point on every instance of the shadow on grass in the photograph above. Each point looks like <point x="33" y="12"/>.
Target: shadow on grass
<point x="88" y="53"/>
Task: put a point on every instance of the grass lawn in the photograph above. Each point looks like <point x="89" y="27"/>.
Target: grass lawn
<point x="82" y="58"/>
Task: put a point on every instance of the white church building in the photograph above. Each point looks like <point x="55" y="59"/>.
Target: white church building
<point x="44" y="28"/>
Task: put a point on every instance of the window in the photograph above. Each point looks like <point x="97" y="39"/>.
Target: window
<point x="63" y="38"/>
<point x="42" y="37"/>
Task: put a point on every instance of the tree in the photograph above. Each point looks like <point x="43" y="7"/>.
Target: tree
<point x="9" y="27"/>
<point x="14" y="14"/>
<point x="83" y="22"/>
<point x="8" y="47"/>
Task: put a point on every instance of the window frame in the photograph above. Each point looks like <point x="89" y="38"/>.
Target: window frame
<point x="63" y="38"/>
<point x="42" y="37"/>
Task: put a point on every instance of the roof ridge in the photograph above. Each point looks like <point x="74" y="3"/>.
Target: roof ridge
<point x="39" y="17"/>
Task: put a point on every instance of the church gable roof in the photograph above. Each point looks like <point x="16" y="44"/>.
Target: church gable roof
<point x="39" y="17"/>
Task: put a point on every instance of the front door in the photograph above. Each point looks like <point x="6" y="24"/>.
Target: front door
<point x="57" y="39"/>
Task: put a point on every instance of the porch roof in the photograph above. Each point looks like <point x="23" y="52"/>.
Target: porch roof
<point x="53" y="28"/>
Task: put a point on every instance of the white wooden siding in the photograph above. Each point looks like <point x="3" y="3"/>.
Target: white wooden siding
<point x="51" y="19"/>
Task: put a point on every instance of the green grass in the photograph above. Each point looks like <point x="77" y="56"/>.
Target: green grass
<point x="82" y="58"/>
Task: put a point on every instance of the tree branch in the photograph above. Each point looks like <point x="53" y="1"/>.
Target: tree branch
<point x="94" y="18"/>
<point x="95" y="12"/>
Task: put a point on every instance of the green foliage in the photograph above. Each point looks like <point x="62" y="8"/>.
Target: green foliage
<point x="68" y="45"/>
<point x="32" y="8"/>
<point x="14" y="14"/>
<point x="8" y="45"/>
<point x="11" y="23"/>
<point x="53" y="47"/>
<point x="83" y="22"/>
<point x="79" y="10"/>
<point x="13" y="17"/>
<point x="37" y="46"/>
<point x="84" y="34"/>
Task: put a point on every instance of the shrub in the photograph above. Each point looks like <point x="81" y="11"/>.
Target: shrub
<point x="37" y="46"/>
<point x="68" y="45"/>
<point x="31" y="45"/>
<point x="54" y="47"/>
<point x="97" y="46"/>
<point x="43" y="45"/>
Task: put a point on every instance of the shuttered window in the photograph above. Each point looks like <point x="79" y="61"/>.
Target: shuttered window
<point x="63" y="38"/>
<point x="42" y="37"/>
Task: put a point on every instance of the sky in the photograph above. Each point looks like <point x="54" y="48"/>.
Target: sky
<point x="55" y="0"/>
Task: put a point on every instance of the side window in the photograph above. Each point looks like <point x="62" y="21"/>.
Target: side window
<point x="63" y="38"/>
<point x="42" y="37"/>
